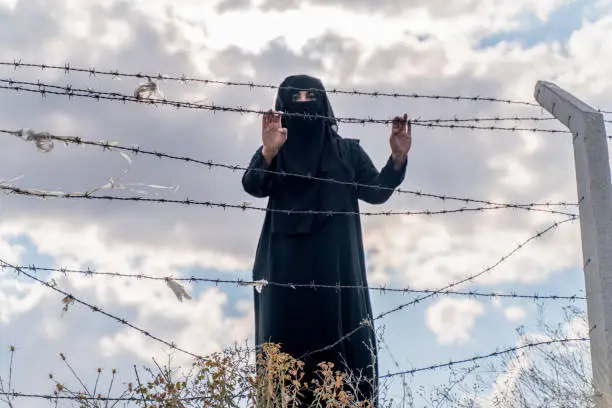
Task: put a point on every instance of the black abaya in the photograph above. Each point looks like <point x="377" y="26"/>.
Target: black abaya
<point x="330" y="253"/>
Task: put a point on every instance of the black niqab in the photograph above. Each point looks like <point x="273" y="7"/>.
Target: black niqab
<point x="310" y="150"/>
<point x="307" y="136"/>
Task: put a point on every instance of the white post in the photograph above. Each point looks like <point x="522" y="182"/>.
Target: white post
<point x="595" y="198"/>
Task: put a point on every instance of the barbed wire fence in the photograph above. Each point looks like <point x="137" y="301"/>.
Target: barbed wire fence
<point x="44" y="142"/>
<point x="185" y="79"/>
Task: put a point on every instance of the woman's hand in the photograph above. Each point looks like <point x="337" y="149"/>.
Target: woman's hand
<point x="273" y="136"/>
<point x="401" y="140"/>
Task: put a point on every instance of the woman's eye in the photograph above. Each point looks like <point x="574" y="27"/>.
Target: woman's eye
<point x="306" y="96"/>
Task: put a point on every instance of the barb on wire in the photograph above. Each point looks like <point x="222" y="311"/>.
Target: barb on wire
<point x="224" y="206"/>
<point x="69" y="91"/>
<point x="486" y="356"/>
<point x="97" y="309"/>
<point x="263" y="283"/>
<point x="67" y="68"/>
<point x="136" y="150"/>
<point x="441" y="290"/>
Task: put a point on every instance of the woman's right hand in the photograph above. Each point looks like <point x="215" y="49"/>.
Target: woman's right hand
<point x="273" y="135"/>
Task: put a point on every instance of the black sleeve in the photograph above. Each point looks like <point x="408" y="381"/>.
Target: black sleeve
<point x="366" y="173"/>
<point x="256" y="182"/>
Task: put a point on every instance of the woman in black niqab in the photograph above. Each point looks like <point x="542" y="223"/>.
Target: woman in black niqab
<point x="310" y="150"/>
<point x="319" y="248"/>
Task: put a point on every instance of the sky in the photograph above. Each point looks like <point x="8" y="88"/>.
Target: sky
<point x="470" y="47"/>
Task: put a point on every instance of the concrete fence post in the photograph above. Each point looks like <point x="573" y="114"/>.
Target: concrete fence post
<point x="595" y="205"/>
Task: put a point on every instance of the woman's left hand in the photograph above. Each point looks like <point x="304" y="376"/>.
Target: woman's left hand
<point x="401" y="139"/>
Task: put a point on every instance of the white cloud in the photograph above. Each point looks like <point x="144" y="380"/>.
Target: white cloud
<point x="16" y="298"/>
<point x="433" y="254"/>
<point x="204" y="328"/>
<point x="577" y="328"/>
<point x="516" y="174"/>
<point x="198" y="324"/>
<point x="496" y="302"/>
<point x="515" y="314"/>
<point x="505" y="382"/>
<point x="453" y="319"/>
<point x="429" y="47"/>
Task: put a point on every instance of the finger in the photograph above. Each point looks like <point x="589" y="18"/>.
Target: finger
<point x="395" y="123"/>
<point x="266" y="117"/>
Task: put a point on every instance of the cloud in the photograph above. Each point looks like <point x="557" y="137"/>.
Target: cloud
<point x="453" y="319"/>
<point x="557" y="26"/>
<point x="202" y="325"/>
<point x="411" y="51"/>
<point x="436" y="8"/>
<point x="232" y="5"/>
<point x="434" y="254"/>
<point x="515" y="314"/>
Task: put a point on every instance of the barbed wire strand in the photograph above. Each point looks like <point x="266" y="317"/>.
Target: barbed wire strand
<point x="486" y="356"/>
<point x="69" y="91"/>
<point x="495" y="119"/>
<point x="433" y="367"/>
<point x="498" y="118"/>
<point x="420" y="299"/>
<point x="97" y="309"/>
<point x="313" y="285"/>
<point x="225" y="206"/>
<point x="136" y="150"/>
<point x="67" y="68"/>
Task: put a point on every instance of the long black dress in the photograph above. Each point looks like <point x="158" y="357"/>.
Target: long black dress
<point x="306" y="319"/>
<point x="320" y="249"/>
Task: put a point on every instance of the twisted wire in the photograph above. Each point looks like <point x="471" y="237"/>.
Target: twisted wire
<point x="69" y="91"/>
<point x="487" y="356"/>
<point x="136" y="150"/>
<point x="312" y="285"/>
<point x="67" y="68"/>
<point x="225" y="206"/>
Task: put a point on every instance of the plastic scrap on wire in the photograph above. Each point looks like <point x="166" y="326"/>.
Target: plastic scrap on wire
<point x="147" y="90"/>
<point x="178" y="289"/>
<point x="258" y="285"/>
<point x="43" y="140"/>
